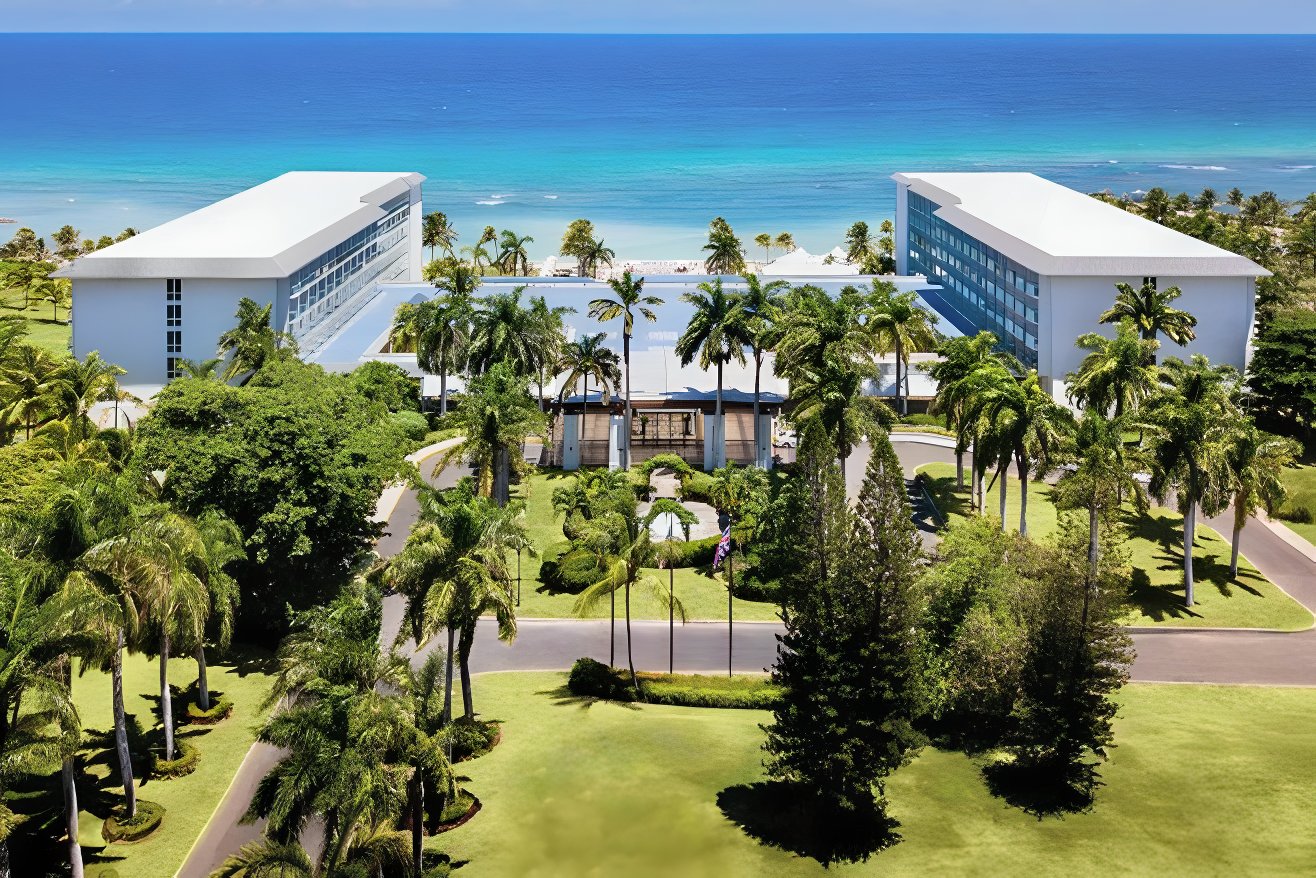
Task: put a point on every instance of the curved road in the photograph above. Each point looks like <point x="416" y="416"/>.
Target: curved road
<point x="1178" y="655"/>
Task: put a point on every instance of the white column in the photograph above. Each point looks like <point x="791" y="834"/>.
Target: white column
<point x="571" y="442"/>
<point x="715" y="449"/>
<point x="764" y="451"/>
<point x="615" y="424"/>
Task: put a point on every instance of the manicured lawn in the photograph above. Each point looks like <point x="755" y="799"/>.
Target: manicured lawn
<point x="43" y="331"/>
<point x="1301" y="483"/>
<point x="1195" y="787"/>
<point x="1156" y="554"/>
<point x="189" y="800"/>
<point x="704" y="598"/>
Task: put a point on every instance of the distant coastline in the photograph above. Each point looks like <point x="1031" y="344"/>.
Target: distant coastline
<point x="650" y="137"/>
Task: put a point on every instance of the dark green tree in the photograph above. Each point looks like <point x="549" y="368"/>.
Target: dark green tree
<point x="1282" y="374"/>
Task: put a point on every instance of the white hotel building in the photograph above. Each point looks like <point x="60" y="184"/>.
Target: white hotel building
<point x="1036" y="263"/>
<point x="313" y="244"/>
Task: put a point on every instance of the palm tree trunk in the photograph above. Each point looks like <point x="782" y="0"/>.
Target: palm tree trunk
<point x="166" y="699"/>
<point x="630" y="657"/>
<point x="1023" y="499"/>
<point x="900" y="397"/>
<point x="758" y="367"/>
<point x="1004" y="478"/>
<point x="959" y="466"/>
<point x="121" y="730"/>
<point x="417" y="822"/>
<point x="626" y="427"/>
<point x="464" y="665"/>
<point x="1189" y="537"/>
<point x="1093" y="541"/>
<point x="67" y="778"/>
<point x="502" y="475"/>
<point x="202" y="682"/>
<point x="1239" y="521"/>
<point x="443" y="392"/>
<point x="612" y="629"/>
<point x="447" y="678"/>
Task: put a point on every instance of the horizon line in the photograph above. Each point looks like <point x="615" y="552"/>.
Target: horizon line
<point x="606" y="33"/>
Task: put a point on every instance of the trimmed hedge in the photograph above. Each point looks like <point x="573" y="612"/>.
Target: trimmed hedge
<point x="147" y="820"/>
<point x="697" y="488"/>
<point x="188" y="758"/>
<point x="695" y="553"/>
<point x="221" y="707"/>
<point x="745" y="692"/>
<point x="673" y="462"/>
<point x="572" y="573"/>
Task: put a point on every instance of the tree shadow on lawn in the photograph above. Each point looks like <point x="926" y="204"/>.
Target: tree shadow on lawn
<point x="949" y="500"/>
<point x="781" y="815"/>
<point x="564" y="697"/>
<point x="1043" y="790"/>
<point x="1167" y="533"/>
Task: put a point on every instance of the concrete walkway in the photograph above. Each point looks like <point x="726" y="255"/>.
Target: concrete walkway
<point x="1178" y="655"/>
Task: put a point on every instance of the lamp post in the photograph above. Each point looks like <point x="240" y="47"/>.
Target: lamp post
<point x="518" y="576"/>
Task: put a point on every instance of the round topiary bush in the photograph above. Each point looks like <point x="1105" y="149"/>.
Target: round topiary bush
<point x="147" y="820"/>
<point x="181" y="766"/>
<point x="220" y="709"/>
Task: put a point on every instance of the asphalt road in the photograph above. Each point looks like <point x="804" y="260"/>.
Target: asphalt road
<point x="1163" y="655"/>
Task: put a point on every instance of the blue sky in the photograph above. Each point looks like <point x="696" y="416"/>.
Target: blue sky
<point x="665" y="16"/>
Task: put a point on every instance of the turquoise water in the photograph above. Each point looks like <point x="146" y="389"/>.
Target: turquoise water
<point x="648" y="136"/>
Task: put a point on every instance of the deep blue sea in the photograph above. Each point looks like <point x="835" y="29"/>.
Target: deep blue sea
<point x="650" y="137"/>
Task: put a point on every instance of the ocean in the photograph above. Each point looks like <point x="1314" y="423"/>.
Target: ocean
<point x="649" y="137"/>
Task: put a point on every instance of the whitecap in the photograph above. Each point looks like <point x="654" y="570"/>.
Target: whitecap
<point x="1111" y="162"/>
<point x="71" y="200"/>
<point x="551" y="197"/>
<point x="1296" y="167"/>
<point x="1196" y="167"/>
<point x="501" y="195"/>
<point x="491" y="202"/>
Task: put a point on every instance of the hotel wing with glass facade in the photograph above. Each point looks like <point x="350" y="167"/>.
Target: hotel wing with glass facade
<point x="1037" y="263"/>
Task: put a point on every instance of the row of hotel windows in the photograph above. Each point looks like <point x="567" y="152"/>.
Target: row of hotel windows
<point x="173" y="318"/>
<point x="995" y="291"/>
<point x="319" y="279"/>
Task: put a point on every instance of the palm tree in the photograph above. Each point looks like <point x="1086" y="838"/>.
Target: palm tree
<point x="405" y="329"/>
<point x="717" y="334"/>
<point x="736" y="493"/>
<point x="223" y="545"/>
<point x="1255" y="462"/>
<point x="371" y="850"/>
<point x="431" y="769"/>
<point x="1189" y="420"/>
<point x="596" y="254"/>
<point x="765" y="241"/>
<point x="1150" y="311"/>
<point x="81" y="384"/>
<point x="201" y="370"/>
<point x="1118" y="373"/>
<point x="626" y="572"/>
<point x="444" y="325"/>
<point x="587" y="358"/>
<point x="725" y="253"/>
<point x="1102" y="477"/>
<point x="1024" y="423"/>
<point x="550" y="333"/>
<point x="502" y="331"/>
<point x="628" y="298"/>
<point x="1156" y="205"/>
<point x="496" y="414"/>
<point x="513" y="257"/>
<point x="902" y="326"/>
<point x="254" y="340"/>
<point x="762" y="305"/>
<point x="785" y="242"/>
<point x="860" y="245"/>
<point x="29" y="383"/>
<point x="833" y="395"/>
<point x="818" y="329"/>
<point x="58" y="292"/>
<point x="436" y="231"/>
<point x="959" y="358"/>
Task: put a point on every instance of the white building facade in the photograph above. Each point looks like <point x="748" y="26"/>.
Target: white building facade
<point x="1037" y="263"/>
<point x="315" y="245"/>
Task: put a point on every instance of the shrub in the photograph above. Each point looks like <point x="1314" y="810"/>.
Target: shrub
<point x="697" y="488"/>
<point x="572" y="573"/>
<point x="596" y="680"/>
<point x="1297" y="515"/>
<point x="146" y="821"/>
<point x="221" y="707"/>
<point x="413" y="425"/>
<point x="183" y="765"/>
<point x="750" y="587"/>
<point x="667" y="460"/>
<point x="923" y="420"/>
<point x="695" y="553"/>
<point x="471" y="738"/>
<point x="457" y="807"/>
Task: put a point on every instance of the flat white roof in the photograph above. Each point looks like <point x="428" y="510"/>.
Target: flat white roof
<point x="268" y="231"/>
<point x="1057" y="231"/>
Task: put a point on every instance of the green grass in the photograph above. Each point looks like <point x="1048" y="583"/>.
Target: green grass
<point x="1195" y="787"/>
<point x="704" y="598"/>
<point x="43" y="331"/>
<point x="1156" y="554"/>
<point x="1301" y="484"/>
<point x="189" y="800"/>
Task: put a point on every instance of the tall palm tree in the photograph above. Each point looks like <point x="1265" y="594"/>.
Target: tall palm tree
<point x="223" y="545"/>
<point x="595" y="255"/>
<point x="1150" y="311"/>
<point x="1188" y="421"/>
<point x="726" y="255"/>
<point x="587" y="358"/>
<point x="628" y="298"/>
<point x="502" y="331"/>
<point x="436" y="231"/>
<point x="903" y="327"/>
<point x="860" y="245"/>
<point x="254" y="340"/>
<point x="1255" y="462"/>
<point x="201" y="370"/>
<point x="371" y="850"/>
<point x="443" y="341"/>
<point x="717" y="334"/>
<point x="496" y="415"/>
<point x="1117" y="374"/>
<point x="785" y="242"/>
<point x="405" y="329"/>
<point x="818" y="328"/>
<point x="81" y="384"/>
<point x="550" y="332"/>
<point x="833" y="395"/>
<point x="1102" y="477"/>
<point x="512" y="256"/>
<point x="762" y="304"/>
<point x="959" y="358"/>
<point x="765" y="241"/>
<point x="626" y="572"/>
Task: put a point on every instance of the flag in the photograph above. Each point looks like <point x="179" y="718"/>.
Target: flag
<point x="723" y="548"/>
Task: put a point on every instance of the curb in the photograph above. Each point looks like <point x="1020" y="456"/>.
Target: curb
<point x="389" y="497"/>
